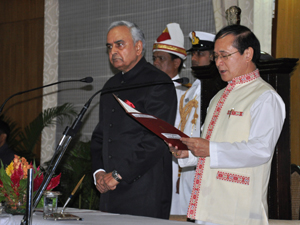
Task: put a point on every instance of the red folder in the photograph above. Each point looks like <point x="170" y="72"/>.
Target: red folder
<point x="161" y="128"/>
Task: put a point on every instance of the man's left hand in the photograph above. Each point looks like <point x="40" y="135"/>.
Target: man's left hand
<point x="110" y="181"/>
<point x="198" y="146"/>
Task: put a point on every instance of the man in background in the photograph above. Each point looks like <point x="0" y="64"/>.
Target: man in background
<point x="168" y="56"/>
<point x="132" y="167"/>
<point x="189" y="107"/>
<point x="6" y="154"/>
<point x="241" y="129"/>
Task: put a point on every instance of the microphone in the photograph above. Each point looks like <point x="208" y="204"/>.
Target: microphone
<point x="86" y="80"/>
<point x="183" y="80"/>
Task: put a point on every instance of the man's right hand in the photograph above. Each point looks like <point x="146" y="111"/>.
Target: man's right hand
<point x="100" y="182"/>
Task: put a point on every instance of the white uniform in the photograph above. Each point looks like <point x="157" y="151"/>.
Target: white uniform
<point x="175" y="204"/>
<point x="188" y="173"/>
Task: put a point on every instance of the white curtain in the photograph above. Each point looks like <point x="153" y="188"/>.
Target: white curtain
<point x="50" y="74"/>
<point x="256" y="15"/>
<point x="262" y="23"/>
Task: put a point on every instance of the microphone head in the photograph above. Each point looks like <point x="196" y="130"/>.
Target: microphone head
<point x="87" y="80"/>
<point x="183" y="80"/>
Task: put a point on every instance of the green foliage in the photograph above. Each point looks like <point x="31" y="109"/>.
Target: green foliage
<point x="76" y="163"/>
<point x="24" y="141"/>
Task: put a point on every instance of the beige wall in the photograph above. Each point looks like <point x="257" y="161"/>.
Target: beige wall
<point x="288" y="46"/>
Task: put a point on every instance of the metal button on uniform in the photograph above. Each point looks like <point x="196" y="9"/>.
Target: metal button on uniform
<point x="109" y="140"/>
<point x="110" y="125"/>
<point x="109" y="157"/>
<point x="122" y="82"/>
<point x="113" y="110"/>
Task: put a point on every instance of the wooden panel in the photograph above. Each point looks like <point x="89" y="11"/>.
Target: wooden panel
<point x="21" y="66"/>
<point x="20" y="10"/>
<point x="279" y="200"/>
<point x="288" y="46"/>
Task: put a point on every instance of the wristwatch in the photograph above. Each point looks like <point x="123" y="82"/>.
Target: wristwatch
<point x="116" y="176"/>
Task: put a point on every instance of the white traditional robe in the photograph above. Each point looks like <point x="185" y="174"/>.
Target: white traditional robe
<point x="243" y="124"/>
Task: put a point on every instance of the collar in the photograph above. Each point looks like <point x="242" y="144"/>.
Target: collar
<point x="175" y="78"/>
<point x="136" y="69"/>
<point x="245" y="78"/>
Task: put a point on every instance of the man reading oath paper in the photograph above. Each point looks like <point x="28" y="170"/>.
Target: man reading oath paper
<point x="242" y="126"/>
<point x="132" y="166"/>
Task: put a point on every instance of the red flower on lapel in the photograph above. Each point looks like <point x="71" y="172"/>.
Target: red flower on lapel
<point x="129" y="103"/>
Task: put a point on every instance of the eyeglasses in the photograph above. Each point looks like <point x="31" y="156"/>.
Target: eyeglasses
<point x="223" y="56"/>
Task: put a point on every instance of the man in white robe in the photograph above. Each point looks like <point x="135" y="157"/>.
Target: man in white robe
<point x="241" y="129"/>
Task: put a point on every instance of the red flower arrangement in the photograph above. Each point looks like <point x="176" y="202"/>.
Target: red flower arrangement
<point x="13" y="181"/>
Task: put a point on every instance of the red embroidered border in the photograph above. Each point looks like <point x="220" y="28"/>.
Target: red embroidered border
<point x="196" y="188"/>
<point x="201" y="161"/>
<point x="233" y="178"/>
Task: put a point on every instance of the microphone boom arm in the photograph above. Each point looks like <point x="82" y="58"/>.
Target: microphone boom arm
<point x="86" y="80"/>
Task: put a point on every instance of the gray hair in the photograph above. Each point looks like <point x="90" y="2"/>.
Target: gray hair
<point x="136" y="33"/>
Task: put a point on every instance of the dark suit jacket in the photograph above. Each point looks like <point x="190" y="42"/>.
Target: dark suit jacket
<point x="140" y="157"/>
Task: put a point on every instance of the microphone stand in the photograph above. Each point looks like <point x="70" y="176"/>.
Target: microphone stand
<point x="29" y="197"/>
<point x="69" y="133"/>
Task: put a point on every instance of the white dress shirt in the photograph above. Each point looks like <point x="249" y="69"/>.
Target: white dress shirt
<point x="267" y="116"/>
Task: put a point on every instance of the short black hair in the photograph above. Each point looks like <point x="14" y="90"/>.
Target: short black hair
<point x="244" y="38"/>
<point x="4" y="129"/>
<point x="173" y="56"/>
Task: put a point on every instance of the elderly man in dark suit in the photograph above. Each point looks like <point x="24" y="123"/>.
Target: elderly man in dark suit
<point x="132" y="166"/>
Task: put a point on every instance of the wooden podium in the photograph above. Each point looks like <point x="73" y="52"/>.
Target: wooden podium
<point x="276" y="72"/>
